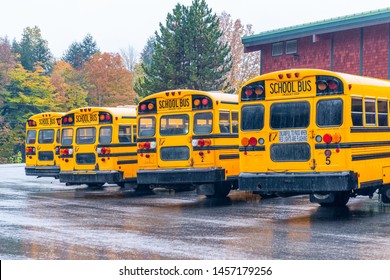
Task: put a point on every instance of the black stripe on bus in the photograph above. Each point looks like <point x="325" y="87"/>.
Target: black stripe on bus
<point x="353" y="145"/>
<point x="139" y="151"/>
<point x="232" y="156"/>
<point x="66" y="147"/>
<point x="373" y="183"/>
<point x="117" y="145"/>
<point x="229" y="102"/>
<point x="369" y="129"/>
<point x="214" y="148"/>
<point x="139" y="140"/>
<point x="127" y="161"/>
<point x="118" y="155"/>
<point x="129" y="117"/>
<point x="370" y="156"/>
<point x="210" y="136"/>
<point x="250" y="148"/>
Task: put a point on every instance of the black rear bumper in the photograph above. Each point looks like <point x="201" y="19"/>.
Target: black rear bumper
<point x="91" y="177"/>
<point x="42" y="171"/>
<point x="193" y="176"/>
<point x="302" y="183"/>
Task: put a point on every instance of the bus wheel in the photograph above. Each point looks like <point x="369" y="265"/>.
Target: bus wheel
<point x="143" y="188"/>
<point x="339" y="199"/>
<point x="95" y="186"/>
<point x="385" y="194"/>
<point x="221" y="189"/>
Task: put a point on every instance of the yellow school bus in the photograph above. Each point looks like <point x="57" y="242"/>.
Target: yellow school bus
<point x="317" y="132"/>
<point x="188" y="139"/>
<point x="42" y="145"/>
<point x="98" y="146"/>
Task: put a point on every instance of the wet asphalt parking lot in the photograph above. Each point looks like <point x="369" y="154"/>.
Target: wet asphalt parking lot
<point x="41" y="218"/>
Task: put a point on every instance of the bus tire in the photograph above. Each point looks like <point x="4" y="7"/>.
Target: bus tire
<point x="95" y="186"/>
<point x="340" y="199"/>
<point x="385" y="194"/>
<point x="221" y="189"/>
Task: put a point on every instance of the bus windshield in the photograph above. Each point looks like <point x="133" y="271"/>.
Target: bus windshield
<point x="174" y="125"/>
<point x="31" y="135"/>
<point x="46" y="136"/>
<point x="290" y="115"/>
<point x="203" y="123"/>
<point x="147" y="126"/>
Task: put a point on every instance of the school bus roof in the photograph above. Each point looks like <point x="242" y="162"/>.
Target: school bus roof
<point x="215" y="95"/>
<point x="304" y="72"/>
<point x="120" y="110"/>
<point x="46" y="115"/>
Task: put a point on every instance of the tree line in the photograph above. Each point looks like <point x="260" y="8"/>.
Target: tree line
<point x="194" y="49"/>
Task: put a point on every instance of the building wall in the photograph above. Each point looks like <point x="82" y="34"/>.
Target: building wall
<point x="376" y="51"/>
<point x="362" y="51"/>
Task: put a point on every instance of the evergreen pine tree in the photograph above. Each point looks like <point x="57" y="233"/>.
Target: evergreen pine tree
<point x="188" y="52"/>
<point x="79" y="53"/>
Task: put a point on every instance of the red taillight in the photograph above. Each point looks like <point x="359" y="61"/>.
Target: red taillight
<point x="147" y="145"/>
<point x="143" y="107"/>
<point x="248" y="92"/>
<point x="65" y="120"/>
<point x="107" y="117"/>
<point x="327" y="138"/>
<point x="333" y="84"/>
<point x="201" y="142"/>
<point x="252" y="141"/>
<point x="205" y="101"/>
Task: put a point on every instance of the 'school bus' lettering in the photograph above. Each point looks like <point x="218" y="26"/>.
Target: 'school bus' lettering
<point x="87" y="118"/>
<point x="291" y="87"/>
<point x="174" y="104"/>
<point x="47" y="121"/>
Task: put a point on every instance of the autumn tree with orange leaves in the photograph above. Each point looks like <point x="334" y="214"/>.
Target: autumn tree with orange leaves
<point x="70" y="89"/>
<point x="111" y="83"/>
<point x="245" y="65"/>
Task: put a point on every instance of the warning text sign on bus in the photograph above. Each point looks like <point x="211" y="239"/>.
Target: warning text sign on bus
<point x="305" y="87"/>
<point x="86" y="119"/>
<point x="292" y="136"/>
<point x="174" y="104"/>
<point x="47" y="121"/>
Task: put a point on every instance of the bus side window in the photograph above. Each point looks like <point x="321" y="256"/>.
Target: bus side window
<point x="234" y="122"/>
<point x="124" y="134"/>
<point x="224" y="121"/>
<point x="357" y="111"/>
<point x="134" y="133"/>
<point x="383" y="113"/>
<point x="369" y="104"/>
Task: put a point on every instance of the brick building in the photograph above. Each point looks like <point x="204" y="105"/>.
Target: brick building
<point x="357" y="44"/>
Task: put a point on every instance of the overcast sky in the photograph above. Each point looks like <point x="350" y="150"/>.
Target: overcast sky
<point x="117" y="24"/>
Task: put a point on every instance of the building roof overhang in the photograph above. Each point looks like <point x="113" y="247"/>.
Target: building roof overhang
<point x="320" y="27"/>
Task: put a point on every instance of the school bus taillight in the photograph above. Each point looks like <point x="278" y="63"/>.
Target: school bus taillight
<point x="327" y="138"/>
<point x="201" y="142"/>
<point x="147" y="145"/>
<point x="30" y="150"/>
<point x="66" y="152"/>
<point x="103" y="151"/>
<point x="245" y="141"/>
